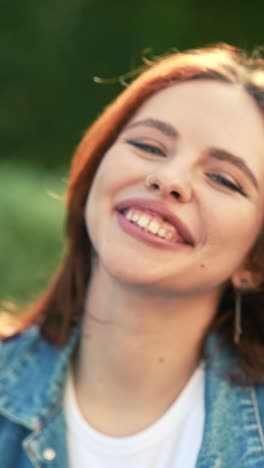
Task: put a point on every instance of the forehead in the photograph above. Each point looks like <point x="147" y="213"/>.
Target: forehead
<point x="202" y="97"/>
<point x="209" y="112"/>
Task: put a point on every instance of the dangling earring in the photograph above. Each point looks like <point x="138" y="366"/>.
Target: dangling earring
<point x="238" y="310"/>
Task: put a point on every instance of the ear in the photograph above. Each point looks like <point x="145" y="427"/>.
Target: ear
<point x="243" y="277"/>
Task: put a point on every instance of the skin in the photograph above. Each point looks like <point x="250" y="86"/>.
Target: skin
<point x="146" y="329"/>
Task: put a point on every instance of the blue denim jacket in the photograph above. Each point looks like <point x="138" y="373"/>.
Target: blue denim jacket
<point x="32" y="424"/>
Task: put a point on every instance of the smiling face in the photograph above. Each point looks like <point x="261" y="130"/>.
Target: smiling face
<point x="200" y="145"/>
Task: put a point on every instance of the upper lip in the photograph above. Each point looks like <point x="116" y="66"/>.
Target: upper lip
<point x="160" y="209"/>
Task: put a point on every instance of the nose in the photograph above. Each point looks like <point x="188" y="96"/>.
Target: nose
<point x="177" y="187"/>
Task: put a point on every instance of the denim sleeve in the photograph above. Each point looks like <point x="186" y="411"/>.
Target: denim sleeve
<point x="260" y="404"/>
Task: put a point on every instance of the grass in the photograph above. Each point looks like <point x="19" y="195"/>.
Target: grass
<point x="31" y="235"/>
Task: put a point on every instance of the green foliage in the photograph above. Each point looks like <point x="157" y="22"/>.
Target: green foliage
<point x="50" y="51"/>
<point x="31" y="214"/>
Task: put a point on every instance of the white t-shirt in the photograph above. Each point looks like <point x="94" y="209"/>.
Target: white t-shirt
<point x="171" y="442"/>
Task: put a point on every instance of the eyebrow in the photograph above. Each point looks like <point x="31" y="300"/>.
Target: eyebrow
<point x="223" y="155"/>
<point x="164" y="127"/>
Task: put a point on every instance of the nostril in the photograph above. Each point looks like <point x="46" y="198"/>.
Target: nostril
<point x="176" y="195"/>
<point x="152" y="182"/>
<point x="154" y="186"/>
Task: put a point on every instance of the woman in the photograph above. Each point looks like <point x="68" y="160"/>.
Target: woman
<point x="163" y="269"/>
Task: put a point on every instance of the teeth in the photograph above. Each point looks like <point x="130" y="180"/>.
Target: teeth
<point x="169" y="235"/>
<point x="129" y="215"/>
<point x="148" y="223"/>
<point x="153" y="227"/>
<point x="143" y="220"/>
<point x="162" y="232"/>
<point x="135" y="217"/>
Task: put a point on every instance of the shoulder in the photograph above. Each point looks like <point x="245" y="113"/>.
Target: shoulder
<point x="15" y="347"/>
<point x="39" y="368"/>
<point x="29" y="354"/>
<point x="221" y="366"/>
<point x="258" y="401"/>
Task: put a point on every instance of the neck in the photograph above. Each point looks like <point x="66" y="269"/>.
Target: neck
<point x="137" y="352"/>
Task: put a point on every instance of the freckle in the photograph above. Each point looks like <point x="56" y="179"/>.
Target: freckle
<point x="161" y="359"/>
<point x="202" y="265"/>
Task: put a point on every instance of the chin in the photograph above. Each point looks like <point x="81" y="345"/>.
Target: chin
<point x="124" y="269"/>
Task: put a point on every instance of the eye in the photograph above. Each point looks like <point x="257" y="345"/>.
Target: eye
<point x="221" y="180"/>
<point x="147" y="147"/>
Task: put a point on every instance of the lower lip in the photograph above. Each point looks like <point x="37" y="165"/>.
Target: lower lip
<point x="145" y="236"/>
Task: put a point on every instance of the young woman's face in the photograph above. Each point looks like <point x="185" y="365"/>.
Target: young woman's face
<point x="200" y="145"/>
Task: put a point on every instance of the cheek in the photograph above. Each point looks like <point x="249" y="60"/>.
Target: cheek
<point x="92" y="202"/>
<point x="99" y="201"/>
<point x="234" y="229"/>
<point x="110" y="173"/>
<point x="103" y="181"/>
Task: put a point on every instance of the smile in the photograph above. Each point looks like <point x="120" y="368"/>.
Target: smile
<point x="153" y="223"/>
<point x="150" y="228"/>
<point x="151" y="220"/>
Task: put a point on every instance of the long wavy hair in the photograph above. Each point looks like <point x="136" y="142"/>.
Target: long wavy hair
<point x="61" y="306"/>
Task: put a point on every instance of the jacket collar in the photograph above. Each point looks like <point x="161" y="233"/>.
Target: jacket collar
<point x="31" y="387"/>
<point x="233" y="433"/>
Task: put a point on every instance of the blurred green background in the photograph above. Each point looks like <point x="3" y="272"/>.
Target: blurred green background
<point x="49" y="53"/>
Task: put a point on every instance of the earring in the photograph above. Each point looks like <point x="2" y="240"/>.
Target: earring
<point x="238" y="310"/>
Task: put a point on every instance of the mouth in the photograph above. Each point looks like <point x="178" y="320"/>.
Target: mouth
<point x="154" y="221"/>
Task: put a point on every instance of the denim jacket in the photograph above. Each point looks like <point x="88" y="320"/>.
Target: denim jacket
<point x="32" y="424"/>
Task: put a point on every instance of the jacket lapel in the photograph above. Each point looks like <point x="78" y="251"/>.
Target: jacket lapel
<point x="48" y="448"/>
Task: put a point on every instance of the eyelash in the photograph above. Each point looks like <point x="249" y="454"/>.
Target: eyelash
<point x="219" y="179"/>
<point x="155" y="150"/>
<point x="227" y="183"/>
